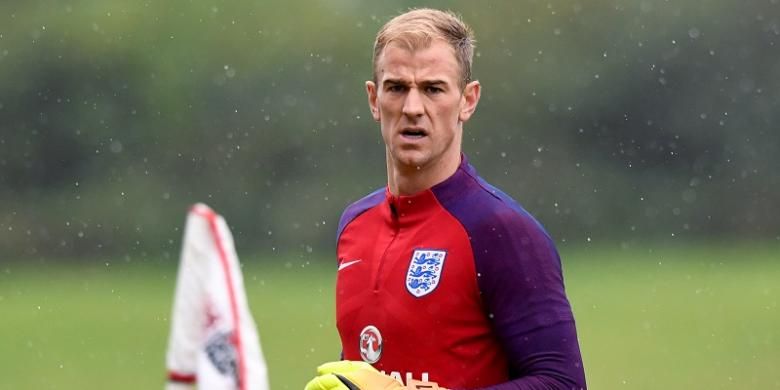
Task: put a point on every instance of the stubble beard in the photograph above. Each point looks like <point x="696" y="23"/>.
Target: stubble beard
<point x="409" y="161"/>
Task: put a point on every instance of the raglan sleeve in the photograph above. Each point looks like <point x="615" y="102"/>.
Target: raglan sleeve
<point x="521" y="283"/>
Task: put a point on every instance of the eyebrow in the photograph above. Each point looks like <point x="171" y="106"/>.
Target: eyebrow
<point x="404" y="82"/>
<point x="395" y="82"/>
<point x="433" y="82"/>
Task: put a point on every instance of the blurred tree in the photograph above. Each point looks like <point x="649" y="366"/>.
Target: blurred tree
<point x="621" y="120"/>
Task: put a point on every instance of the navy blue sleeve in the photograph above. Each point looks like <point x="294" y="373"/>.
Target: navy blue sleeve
<point x="521" y="284"/>
<point x="359" y="207"/>
<point x="521" y="281"/>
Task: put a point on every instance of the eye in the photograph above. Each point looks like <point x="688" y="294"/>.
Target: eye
<point x="396" y="88"/>
<point x="433" y="89"/>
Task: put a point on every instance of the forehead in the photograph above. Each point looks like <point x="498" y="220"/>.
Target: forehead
<point x="437" y="61"/>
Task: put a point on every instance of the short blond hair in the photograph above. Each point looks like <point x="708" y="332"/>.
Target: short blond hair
<point x="417" y="28"/>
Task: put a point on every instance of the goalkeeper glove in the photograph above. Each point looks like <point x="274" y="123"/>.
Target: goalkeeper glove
<point x="350" y="375"/>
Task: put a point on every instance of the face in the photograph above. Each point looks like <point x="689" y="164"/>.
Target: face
<point x="420" y="106"/>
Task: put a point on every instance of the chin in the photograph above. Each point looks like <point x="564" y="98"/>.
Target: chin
<point x="413" y="159"/>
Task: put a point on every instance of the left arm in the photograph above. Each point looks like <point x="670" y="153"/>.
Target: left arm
<point x="521" y="282"/>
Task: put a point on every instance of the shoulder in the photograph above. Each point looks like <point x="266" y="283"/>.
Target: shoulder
<point x="505" y="212"/>
<point x="506" y="240"/>
<point x="356" y="209"/>
<point x="516" y="261"/>
<point x="485" y="210"/>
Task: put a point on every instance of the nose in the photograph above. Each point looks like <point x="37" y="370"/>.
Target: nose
<point x="413" y="105"/>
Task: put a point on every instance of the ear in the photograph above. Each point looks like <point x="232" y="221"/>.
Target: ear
<point x="469" y="100"/>
<point x="372" y="95"/>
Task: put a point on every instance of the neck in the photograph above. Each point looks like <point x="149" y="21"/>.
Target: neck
<point x="409" y="180"/>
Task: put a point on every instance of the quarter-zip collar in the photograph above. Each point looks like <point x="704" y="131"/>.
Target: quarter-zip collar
<point x="405" y="210"/>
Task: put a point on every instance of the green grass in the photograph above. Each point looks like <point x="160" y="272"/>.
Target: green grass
<point x="677" y="318"/>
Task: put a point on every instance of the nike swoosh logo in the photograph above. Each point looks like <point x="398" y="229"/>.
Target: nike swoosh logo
<point x="348" y="263"/>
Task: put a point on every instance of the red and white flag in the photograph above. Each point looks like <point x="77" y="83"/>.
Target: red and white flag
<point x="213" y="343"/>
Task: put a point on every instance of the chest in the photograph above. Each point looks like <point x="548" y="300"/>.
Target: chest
<point x="406" y="275"/>
<point x="420" y="261"/>
<point x="407" y="298"/>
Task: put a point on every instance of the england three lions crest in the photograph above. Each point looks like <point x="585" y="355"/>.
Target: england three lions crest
<point x="424" y="271"/>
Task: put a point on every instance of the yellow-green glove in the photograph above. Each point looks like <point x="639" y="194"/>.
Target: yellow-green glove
<point x="350" y="375"/>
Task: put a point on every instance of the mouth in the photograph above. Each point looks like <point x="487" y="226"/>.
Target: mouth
<point x="414" y="133"/>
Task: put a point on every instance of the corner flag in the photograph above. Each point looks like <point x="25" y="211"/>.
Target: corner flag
<point x="213" y="342"/>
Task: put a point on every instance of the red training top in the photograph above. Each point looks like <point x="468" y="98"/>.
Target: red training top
<point x="458" y="285"/>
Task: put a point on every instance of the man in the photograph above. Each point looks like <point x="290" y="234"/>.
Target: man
<point x="443" y="278"/>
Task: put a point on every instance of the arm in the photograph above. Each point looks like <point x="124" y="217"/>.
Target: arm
<point x="546" y="360"/>
<point x="522" y="288"/>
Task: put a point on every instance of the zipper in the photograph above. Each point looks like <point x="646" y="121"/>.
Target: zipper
<point x="383" y="259"/>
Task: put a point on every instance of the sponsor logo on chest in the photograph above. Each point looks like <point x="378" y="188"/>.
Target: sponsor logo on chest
<point x="370" y="344"/>
<point x="424" y="272"/>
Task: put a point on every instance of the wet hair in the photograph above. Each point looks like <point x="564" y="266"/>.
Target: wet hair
<point x="418" y="28"/>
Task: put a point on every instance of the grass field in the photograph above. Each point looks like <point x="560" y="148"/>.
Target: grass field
<point x="697" y="317"/>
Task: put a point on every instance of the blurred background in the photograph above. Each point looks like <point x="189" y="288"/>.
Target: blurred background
<point x="642" y="134"/>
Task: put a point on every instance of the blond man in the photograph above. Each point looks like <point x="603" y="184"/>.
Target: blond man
<point x="443" y="280"/>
